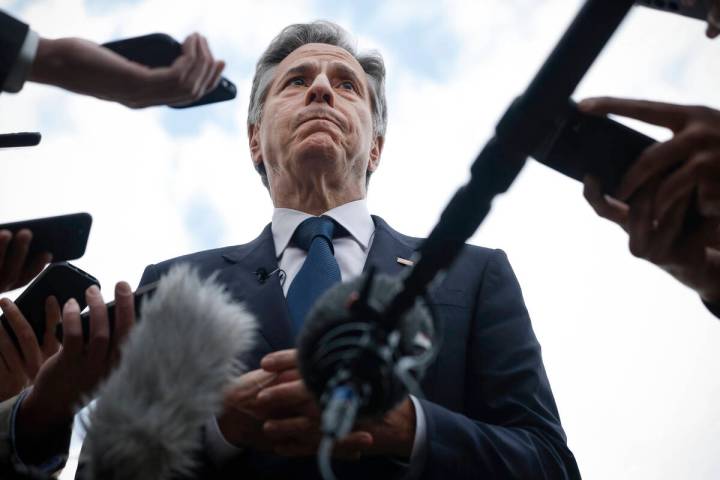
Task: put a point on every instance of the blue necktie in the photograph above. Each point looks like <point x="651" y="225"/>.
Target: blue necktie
<point x="319" y="271"/>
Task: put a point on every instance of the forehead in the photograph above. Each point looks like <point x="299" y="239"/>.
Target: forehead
<point x="323" y="54"/>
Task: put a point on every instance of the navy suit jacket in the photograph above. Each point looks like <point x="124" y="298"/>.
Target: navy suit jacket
<point x="489" y="408"/>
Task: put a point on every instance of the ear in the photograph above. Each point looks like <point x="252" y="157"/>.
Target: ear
<point x="255" y="147"/>
<point x="375" y="152"/>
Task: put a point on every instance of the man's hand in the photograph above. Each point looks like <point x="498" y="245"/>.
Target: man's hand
<point x="242" y="421"/>
<point x="669" y="200"/>
<point x="16" y="269"/>
<point x="85" y="67"/>
<point x="294" y="418"/>
<point x="19" y="368"/>
<point x="65" y="379"/>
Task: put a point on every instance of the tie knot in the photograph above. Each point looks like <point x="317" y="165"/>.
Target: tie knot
<point x="312" y="228"/>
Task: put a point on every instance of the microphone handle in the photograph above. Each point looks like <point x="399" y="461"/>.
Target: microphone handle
<point x="521" y="131"/>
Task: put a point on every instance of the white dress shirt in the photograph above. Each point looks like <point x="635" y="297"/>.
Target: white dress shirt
<point x="351" y="253"/>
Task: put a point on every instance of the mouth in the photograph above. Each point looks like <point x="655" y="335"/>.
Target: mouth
<point x="321" y="119"/>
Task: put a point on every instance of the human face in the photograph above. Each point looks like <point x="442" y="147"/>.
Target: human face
<point x="317" y="121"/>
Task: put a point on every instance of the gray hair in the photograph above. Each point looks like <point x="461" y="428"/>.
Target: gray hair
<point x="295" y="36"/>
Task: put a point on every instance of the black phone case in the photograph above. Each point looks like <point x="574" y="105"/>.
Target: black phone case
<point x="62" y="280"/>
<point x="65" y="236"/>
<point x="19" y="139"/>
<point x="584" y="144"/>
<point x="161" y="50"/>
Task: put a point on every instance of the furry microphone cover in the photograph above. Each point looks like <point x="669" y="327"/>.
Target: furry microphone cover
<point x="175" y="366"/>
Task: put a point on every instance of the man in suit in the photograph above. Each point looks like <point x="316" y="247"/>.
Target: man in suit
<point x="316" y="126"/>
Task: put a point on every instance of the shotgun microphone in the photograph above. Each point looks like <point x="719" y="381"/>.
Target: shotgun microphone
<point x="175" y="366"/>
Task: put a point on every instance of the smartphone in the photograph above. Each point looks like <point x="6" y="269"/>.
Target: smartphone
<point x="698" y="9"/>
<point x="20" y="139"/>
<point x="62" y="280"/>
<point x="161" y="50"/>
<point x="64" y="236"/>
<point x="139" y="295"/>
<point x="583" y="144"/>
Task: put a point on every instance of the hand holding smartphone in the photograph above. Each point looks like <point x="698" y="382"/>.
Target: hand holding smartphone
<point x="161" y="50"/>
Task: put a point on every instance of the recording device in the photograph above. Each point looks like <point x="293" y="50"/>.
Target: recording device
<point x="698" y="9"/>
<point x="20" y="139"/>
<point x="590" y="144"/>
<point x="356" y="361"/>
<point x="161" y="50"/>
<point x="65" y="236"/>
<point x="61" y="280"/>
<point x="175" y="366"/>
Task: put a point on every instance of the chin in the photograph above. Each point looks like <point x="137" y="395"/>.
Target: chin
<point x="319" y="147"/>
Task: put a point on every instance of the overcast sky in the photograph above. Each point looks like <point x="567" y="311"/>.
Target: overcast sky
<point x="632" y="355"/>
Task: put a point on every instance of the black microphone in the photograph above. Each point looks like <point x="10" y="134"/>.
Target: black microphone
<point x="355" y="361"/>
<point x="263" y="275"/>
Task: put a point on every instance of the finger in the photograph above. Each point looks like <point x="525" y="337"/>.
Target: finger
<point x="99" y="340"/>
<point x="249" y="385"/>
<point x="216" y="75"/>
<point x="9" y="352"/>
<point x="289" y="376"/>
<point x="353" y="443"/>
<point x="668" y="233"/>
<point x="611" y="210"/>
<point x="655" y="160"/>
<point x="301" y="428"/>
<point x="196" y="74"/>
<point x="713" y="19"/>
<point x="15" y="258"/>
<point x="124" y="314"/>
<point x="5" y="238"/>
<point x="683" y="181"/>
<point x="209" y="61"/>
<point x="73" y="342"/>
<point x="50" y="344"/>
<point x="30" y="355"/>
<point x="708" y="194"/>
<point x="641" y="221"/>
<point x="284" y="395"/>
<point x="280" y="360"/>
<point x="666" y="115"/>
<point x="34" y="267"/>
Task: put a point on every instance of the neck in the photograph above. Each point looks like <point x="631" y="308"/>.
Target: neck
<point x="314" y="196"/>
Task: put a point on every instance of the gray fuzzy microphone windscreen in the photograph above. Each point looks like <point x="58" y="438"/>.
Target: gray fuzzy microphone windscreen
<point x="175" y="366"/>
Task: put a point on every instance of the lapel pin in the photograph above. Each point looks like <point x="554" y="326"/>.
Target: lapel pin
<point x="405" y="261"/>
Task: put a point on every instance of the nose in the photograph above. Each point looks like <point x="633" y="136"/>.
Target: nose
<point x="320" y="91"/>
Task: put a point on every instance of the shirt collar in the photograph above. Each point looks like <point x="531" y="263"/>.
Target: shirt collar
<point x="353" y="216"/>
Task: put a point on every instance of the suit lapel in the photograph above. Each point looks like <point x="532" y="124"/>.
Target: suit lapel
<point x="387" y="246"/>
<point x="264" y="299"/>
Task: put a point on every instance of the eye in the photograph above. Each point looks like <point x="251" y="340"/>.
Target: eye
<point x="296" y="81"/>
<point x="348" y="85"/>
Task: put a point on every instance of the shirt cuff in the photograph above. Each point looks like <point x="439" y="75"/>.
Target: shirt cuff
<point x="419" y="450"/>
<point x="49" y="466"/>
<point x="217" y="447"/>
<point x="21" y="68"/>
